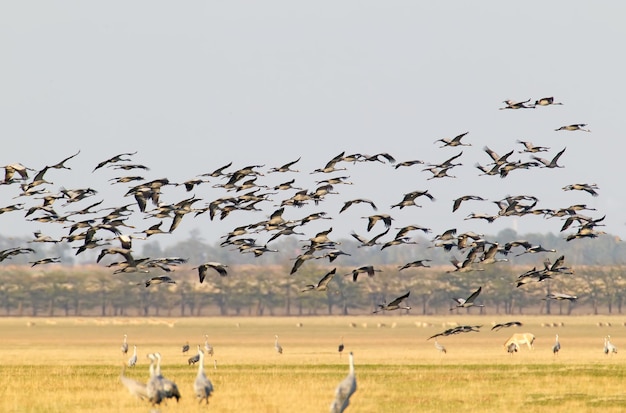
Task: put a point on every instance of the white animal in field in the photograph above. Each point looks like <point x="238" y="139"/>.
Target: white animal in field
<point x="519" y="339"/>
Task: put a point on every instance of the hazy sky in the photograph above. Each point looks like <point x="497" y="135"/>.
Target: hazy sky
<point x="194" y="85"/>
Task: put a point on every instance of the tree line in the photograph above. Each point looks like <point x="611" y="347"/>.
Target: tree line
<point x="262" y="286"/>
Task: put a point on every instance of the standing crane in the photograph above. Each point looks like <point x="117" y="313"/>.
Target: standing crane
<point x="557" y="346"/>
<point x="125" y="345"/>
<point x="154" y="387"/>
<point x="136" y="388"/>
<point x="169" y="388"/>
<point x="340" y="347"/>
<point x="133" y="359"/>
<point x="277" y="347"/>
<point x="207" y="346"/>
<point x="345" y="390"/>
<point x="608" y="346"/>
<point x="440" y="347"/>
<point x="202" y="386"/>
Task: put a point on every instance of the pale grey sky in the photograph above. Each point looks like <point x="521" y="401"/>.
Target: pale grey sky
<point x="193" y="85"/>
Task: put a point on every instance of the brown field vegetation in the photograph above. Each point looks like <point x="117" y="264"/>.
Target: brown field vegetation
<point x="73" y="364"/>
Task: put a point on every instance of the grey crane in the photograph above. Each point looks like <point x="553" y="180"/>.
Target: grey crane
<point x="203" y="268"/>
<point x="560" y="297"/>
<point x="416" y="263"/>
<point x="557" y="346"/>
<point x="373" y="219"/>
<point x="371" y="242"/>
<point x="608" y="346"/>
<point x="125" y="344"/>
<point x="499" y="326"/>
<point x="457" y="202"/>
<point x="511" y="104"/>
<point x="284" y="168"/>
<point x="154" y="387"/>
<point x="132" y="361"/>
<point x="116" y="158"/>
<point x="49" y="260"/>
<point x="185" y="347"/>
<point x="193" y="359"/>
<point x="573" y="127"/>
<point x="170" y="389"/>
<point x="202" y="386"/>
<point x="345" y="389"/>
<point x="277" y="346"/>
<point x="456" y="141"/>
<point x="207" y="347"/>
<point x="322" y="285"/>
<point x="394" y="305"/>
<point x="160" y="279"/>
<point x="367" y="269"/>
<point x="440" y="347"/>
<point x="589" y="188"/>
<point x="330" y="165"/>
<point x="469" y="301"/>
<point x="341" y="347"/>
<point x="551" y="163"/>
<point x="530" y="148"/>
<point x="135" y="387"/>
<point x="348" y="204"/>
<point x="547" y="101"/>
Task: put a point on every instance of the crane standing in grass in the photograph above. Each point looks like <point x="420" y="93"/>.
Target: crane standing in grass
<point x="608" y="346"/>
<point x="136" y="388"/>
<point x="133" y="359"/>
<point x="207" y="346"/>
<point x="557" y="346"/>
<point x="277" y="346"/>
<point x="345" y="390"/>
<point x="202" y="386"/>
<point x="125" y="345"/>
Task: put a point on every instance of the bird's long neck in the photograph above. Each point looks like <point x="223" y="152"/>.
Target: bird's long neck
<point x="351" y="364"/>
<point x="201" y="362"/>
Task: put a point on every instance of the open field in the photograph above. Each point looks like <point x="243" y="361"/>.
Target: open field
<point x="73" y="365"/>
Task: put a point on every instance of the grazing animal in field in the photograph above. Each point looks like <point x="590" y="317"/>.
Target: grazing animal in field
<point x="519" y="339"/>
<point x="345" y="390"/>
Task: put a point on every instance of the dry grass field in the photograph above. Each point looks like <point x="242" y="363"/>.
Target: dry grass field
<point x="73" y="365"/>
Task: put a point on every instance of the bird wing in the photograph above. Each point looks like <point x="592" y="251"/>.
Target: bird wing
<point x="473" y="296"/>
<point x="399" y="299"/>
<point x="326" y="279"/>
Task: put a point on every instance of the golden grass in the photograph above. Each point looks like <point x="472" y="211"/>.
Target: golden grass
<point x="73" y="365"/>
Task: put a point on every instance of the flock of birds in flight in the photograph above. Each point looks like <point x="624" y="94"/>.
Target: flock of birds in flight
<point x="245" y="193"/>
